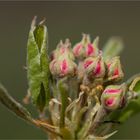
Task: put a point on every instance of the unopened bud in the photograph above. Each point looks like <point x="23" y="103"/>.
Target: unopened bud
<point x="94" y="67"/>
<point x="114" y="69"/>
<point x="113" y="96"/>
<point x="63" y="66"/>
<point x="63" y="49"/>
<point x="85" y="48"/>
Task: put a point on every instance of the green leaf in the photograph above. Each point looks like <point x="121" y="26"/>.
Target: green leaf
<point x="13" y="105"/>
<point x="44" y="59"/>
<point x="41" y="100"/>
<point x="112" y="48"/>
<point x="39" y="35"/>
<point x="135" y="85"/>
<point x="38" y="64"/>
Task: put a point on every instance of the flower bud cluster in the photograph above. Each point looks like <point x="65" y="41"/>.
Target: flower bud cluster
<point x="90" y="61"/>
<point x="90" y="67"/>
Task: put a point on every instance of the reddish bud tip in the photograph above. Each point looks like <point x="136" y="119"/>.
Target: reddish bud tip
<point x="85" y="48"/>
<point x="63" y="49"/>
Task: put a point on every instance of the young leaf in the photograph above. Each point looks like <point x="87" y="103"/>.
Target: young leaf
<point x="41" y="100"/>
<point x="135" y="85"/>
<point x="13" y="105"/>
<point x="112" y="48"/>
<point x="44" y="60"/>
<point x="129" y="81"/>
<point x="38" y="64"/>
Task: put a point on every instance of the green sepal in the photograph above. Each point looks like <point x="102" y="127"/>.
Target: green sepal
<point x="38" y="64"/>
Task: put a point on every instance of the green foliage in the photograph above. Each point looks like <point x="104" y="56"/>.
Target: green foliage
<point x="112" y="48"/>
<point x="39" y="35"/>
<point x="136" y="85"/>
<point x="38" y="65"/>
<point x="41" y="100"/>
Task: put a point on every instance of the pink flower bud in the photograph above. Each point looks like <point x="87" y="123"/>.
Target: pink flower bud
<point x="114" y="69"/>
<point x="85" y="48"/>
<point x="62" y="49"/>
<point x="113" y="96"/>
<point x="94" y="67"/>
<point x="63" y="66"/>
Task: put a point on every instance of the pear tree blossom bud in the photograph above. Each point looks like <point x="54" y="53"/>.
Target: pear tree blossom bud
<point x="113" y="97"/>
<point x="61" y="49"/>
<point x="94" y="67"/>
<point x="85" y="48"/>
<point x="63" y="66"/>
<point x="114" y="69"/>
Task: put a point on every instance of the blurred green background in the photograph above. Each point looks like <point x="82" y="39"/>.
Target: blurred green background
<point x="64" y="20"/>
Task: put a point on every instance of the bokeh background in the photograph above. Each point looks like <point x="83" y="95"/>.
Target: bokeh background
<point x="64" y="20"/>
